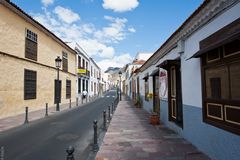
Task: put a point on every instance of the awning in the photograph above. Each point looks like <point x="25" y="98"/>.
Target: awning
<point x="168" y="63"/>
<point x="225" y="35"/>
<point x="216" y="45"/>
<point x="155" y="72"/>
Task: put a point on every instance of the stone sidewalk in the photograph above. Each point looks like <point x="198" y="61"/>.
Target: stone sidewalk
<point x="18" y="120"/>
<point x="130" y="136"/>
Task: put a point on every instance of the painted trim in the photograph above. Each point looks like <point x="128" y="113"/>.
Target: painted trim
<point x="225" y="113"/>
<point x="211" y="116"/>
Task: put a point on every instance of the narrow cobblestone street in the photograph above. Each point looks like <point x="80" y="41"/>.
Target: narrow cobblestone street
<point x="130" y="136"/>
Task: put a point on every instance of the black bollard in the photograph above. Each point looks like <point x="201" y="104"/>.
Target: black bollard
<point x="76" y="102"/>
<point x="112" y="109"/>
<point x="70" y="103"/>
<point x="46" y="113"/>
<point x="95" y="138"/>
<point x="104" y="121"/>
<point x="109" y="113"/>
<point x="26" y="115"/>
<point x="70" y="151"/>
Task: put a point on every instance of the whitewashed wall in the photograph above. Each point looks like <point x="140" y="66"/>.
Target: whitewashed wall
<point x="191" y="73"/>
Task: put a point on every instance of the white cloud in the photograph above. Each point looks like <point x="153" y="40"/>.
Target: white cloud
<point x="115" y="32"/>
<point x="117" y="61"/>
<point x="66" y="15"/>
<point x="47" y="2"/>
<point x="94" y="47"/>
<point x="131" y="29"/>
<point x="120" y="5"/>
<point x="96" y="42"/>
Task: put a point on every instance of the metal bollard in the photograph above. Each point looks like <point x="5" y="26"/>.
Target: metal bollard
<point x="114" y="102"/>
<point x="76" y="102"/>
<point x="70" y="103"/>
<point x="95" y="138"/>
<point x="104" y="121"/>
<point x="109" y="113"/>
<point x="112" y="109"/>
<point x="26" y="115"/>
<point x="70" y="151"/>
<point x="46" y="113"/>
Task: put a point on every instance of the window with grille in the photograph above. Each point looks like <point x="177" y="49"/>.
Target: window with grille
<point x="31" y="45"/>
<point x="79" y="85"/>
<point x="68" y="89"/>
<point x="79" y="62"/>
<point x="92" y="86"/>
<point x="30" y="84"/>
<point x="87" y="85"/>
<point x="91" y="71"/>
<point x="83" y="63"/>
<point x="65" y="61"/>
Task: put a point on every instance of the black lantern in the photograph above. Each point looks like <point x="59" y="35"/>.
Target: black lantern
<point x="58" y="62"/>
<point x="58" y="65"/>
<point x="120" y="76"/>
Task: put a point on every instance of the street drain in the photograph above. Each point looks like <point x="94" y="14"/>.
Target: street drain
<point x="67" y="137"/>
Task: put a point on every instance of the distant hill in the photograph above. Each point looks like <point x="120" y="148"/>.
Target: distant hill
<point x="112" y="69"/>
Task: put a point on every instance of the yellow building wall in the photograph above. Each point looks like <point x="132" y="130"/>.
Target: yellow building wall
<point x="12" y="41"/>
<point x="12" y="86"/>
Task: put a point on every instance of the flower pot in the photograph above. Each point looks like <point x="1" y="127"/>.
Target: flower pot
<point x="154" y="119"/>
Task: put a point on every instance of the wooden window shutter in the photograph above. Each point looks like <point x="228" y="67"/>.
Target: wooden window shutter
<point x="30" y="84"/>
<point x="68" y="89"/>
<point x="30" y="49"/>
<point x="65" y="62"/>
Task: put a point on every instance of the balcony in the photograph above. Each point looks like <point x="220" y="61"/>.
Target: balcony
<point x="83" y="72"/>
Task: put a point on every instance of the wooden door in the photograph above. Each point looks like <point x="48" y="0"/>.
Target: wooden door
<point x="156" y="99"/>
<point x="57" y="91"/>
<point x="175" y="95"/>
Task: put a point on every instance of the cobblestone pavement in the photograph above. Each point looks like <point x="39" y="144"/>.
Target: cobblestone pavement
<point x="130" y="136"/>
<point x="14" y="121"/>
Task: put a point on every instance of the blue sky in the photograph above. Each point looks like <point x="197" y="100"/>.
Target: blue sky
<point x="111" y="31"/>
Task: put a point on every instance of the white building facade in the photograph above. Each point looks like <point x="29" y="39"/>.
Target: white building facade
<point x="83" y="73"/>
<point x="95" y="79"/>
<point x="202" y="60"/>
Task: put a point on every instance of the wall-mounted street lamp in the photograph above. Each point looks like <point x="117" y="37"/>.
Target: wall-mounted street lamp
<point x="58" y="65"/>
<point x="120" y="94"/>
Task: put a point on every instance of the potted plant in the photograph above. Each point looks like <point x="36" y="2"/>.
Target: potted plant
<point x="138" y="101"/>
<point x="154" y="118"/>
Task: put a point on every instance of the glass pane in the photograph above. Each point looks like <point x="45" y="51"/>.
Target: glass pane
<point x="235" y="80"/>
<point x="173" y="82"/>
<point x="217" y="83"/>
<point x="213" y="55"/>
<point x="232" y="48"/>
